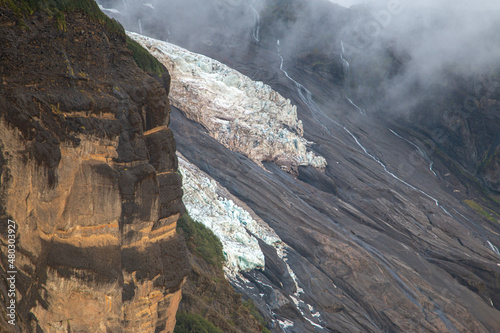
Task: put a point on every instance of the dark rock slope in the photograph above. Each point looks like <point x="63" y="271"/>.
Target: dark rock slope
<point x="398" y="234"/>
<point x="88" y="173"/>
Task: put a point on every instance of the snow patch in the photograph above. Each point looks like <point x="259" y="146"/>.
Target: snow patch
<point x="285" y="323"/>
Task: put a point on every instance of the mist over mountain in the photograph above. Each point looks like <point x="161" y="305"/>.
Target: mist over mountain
<point x="344" y="154"/>
<point x="402" y="100"/>
<point x="428" y="63"/>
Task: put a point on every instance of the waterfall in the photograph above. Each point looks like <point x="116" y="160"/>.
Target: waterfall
<point x="307" y="99"/>
<point x="396" y="177"/>
<point x="357" y="107"/>
<point x="256" y="29"/>
<point x="345" y="66"/>
<point x="304" y="94"/>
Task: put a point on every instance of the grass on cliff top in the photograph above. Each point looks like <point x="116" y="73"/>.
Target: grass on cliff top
<point x="203" y="244"/>
<point x="144" y="59"/>
<point x="201" y="241"/>
<point x="57" y="9"/>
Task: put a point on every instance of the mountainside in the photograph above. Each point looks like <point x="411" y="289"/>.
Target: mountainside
<point x="88" y="174"/>
<point x="399" y="233"/>
<point x="347" y="160"/>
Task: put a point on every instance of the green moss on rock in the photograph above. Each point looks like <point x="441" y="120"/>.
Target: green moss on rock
<point x="201" y="241"/>
<point x="57" y="8"/>
<point x="144" y="59"/>
<point x="193" y="323"/>
<point x="207" y="293"/>
<point x="480" y="210"/>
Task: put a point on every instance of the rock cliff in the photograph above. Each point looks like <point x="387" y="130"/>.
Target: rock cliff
<point x="390" y="238"/>
<point x="88" y="173"/>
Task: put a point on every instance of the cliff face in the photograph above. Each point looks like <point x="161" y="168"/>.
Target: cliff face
<point x="89" y="174"/>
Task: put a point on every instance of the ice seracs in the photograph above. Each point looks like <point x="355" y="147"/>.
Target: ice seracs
<point x="238" y="228"/>
<point x="244" y="115"/>
<point x="210" y="204"/>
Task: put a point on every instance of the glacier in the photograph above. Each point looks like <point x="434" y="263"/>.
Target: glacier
<point x="210" y="204"/>
<point x="244" y="115"/>
<point x="237" y="228"/>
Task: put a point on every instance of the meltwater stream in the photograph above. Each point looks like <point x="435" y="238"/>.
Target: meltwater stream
<point x="256" y="29"/>
<point x="347" y="78"/>
<point x="419" y="150"/>
<point x="307" y="99"/>
<point x="394" y="176"/>
<point x="306" y="96"/>
<point x="407" y="291"/>
<point x="478" y="228"/>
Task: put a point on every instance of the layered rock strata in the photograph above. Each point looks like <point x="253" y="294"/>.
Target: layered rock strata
<point x="89" y="174"/>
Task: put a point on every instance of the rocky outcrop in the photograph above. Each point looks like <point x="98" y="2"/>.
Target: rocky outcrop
<point x="245" y="116"/>
<point x="89" y="174"/>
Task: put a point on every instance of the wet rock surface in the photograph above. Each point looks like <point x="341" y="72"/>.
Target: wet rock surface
<point x="387" y="244"/>
<point x="373" y="258"/>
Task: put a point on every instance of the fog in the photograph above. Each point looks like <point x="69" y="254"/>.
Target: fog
<point x="347" y="3"/>
<point x="395" y="47"/>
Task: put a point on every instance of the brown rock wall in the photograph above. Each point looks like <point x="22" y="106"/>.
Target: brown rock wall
<point x="89" y="174"/>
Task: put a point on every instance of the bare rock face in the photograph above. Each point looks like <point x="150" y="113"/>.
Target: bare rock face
<point x="89" y="173"/>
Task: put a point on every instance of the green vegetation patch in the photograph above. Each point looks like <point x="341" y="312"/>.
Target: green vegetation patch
<point x="480" y="210"/>
<point x="57" y="9"/>
<point x="144" y="59"/>
<point x="207" y="294"/>
<point x="201" y="241"/>
<point x="193" y="323"/>
<point x="250" y="306"/>
<point x="489" y="157"/>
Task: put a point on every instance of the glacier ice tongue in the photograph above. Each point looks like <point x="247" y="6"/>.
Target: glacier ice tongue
<point x="212" y="205"/>
<point x="227" y="220"/>
<point x="244" y="115"/>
